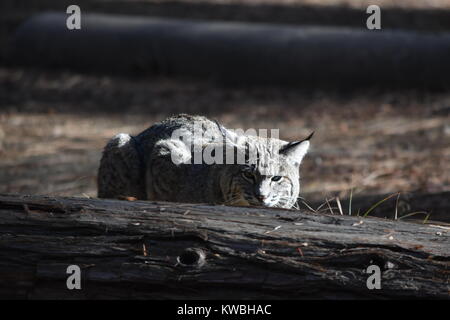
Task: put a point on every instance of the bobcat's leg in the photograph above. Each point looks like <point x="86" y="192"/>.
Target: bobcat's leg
<point x="121" y="172"/>
<point x="165" y="169"/>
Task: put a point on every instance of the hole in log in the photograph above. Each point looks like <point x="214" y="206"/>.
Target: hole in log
<point x="383" y="263"/>
<point x="192" y="257"/>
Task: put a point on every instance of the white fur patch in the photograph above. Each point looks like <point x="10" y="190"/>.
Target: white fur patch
<point x="122" y="139"/>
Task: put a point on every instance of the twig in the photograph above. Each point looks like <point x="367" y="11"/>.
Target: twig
<point x="329" y="206"/>
<point x="339" y="206"/>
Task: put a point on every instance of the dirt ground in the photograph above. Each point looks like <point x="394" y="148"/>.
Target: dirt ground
<point x="53" y="124"/>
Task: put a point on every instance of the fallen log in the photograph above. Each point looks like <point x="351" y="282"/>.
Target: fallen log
<point x="236" y="53"/>
<point x="156" y="250"/>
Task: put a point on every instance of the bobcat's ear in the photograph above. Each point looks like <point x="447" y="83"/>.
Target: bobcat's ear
<point x="296" y="150"/>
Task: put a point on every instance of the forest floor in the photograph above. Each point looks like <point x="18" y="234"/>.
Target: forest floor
<point x="53" y="126"/>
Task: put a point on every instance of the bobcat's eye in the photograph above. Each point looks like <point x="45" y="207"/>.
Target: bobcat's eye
<point x="277" y="178"/>
<point x="248" y="175"/>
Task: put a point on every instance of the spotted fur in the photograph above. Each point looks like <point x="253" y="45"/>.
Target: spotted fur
<point x="156" y="166"/>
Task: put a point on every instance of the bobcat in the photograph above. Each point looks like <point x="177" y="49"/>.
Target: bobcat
<point x="158" y="164"/>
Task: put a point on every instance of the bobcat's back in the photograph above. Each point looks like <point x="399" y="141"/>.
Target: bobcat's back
<point x="131" y="166"/>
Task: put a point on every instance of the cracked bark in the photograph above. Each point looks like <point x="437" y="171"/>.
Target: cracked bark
<point x="150" y="250"/>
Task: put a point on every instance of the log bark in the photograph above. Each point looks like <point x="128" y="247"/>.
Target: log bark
<point x="156" y="250"/>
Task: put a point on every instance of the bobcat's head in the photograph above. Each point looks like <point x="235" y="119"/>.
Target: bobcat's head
<point x="269" y="176"/>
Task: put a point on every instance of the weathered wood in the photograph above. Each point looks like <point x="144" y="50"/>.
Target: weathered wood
<point x="236" y="52"/>
<point x="137" y="249"/>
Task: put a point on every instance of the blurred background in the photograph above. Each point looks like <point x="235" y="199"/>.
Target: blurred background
<point x="369" y="141"/>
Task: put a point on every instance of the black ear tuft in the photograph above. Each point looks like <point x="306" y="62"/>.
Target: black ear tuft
<point x="309" y="137"/>
<point x="288" y="146"/>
